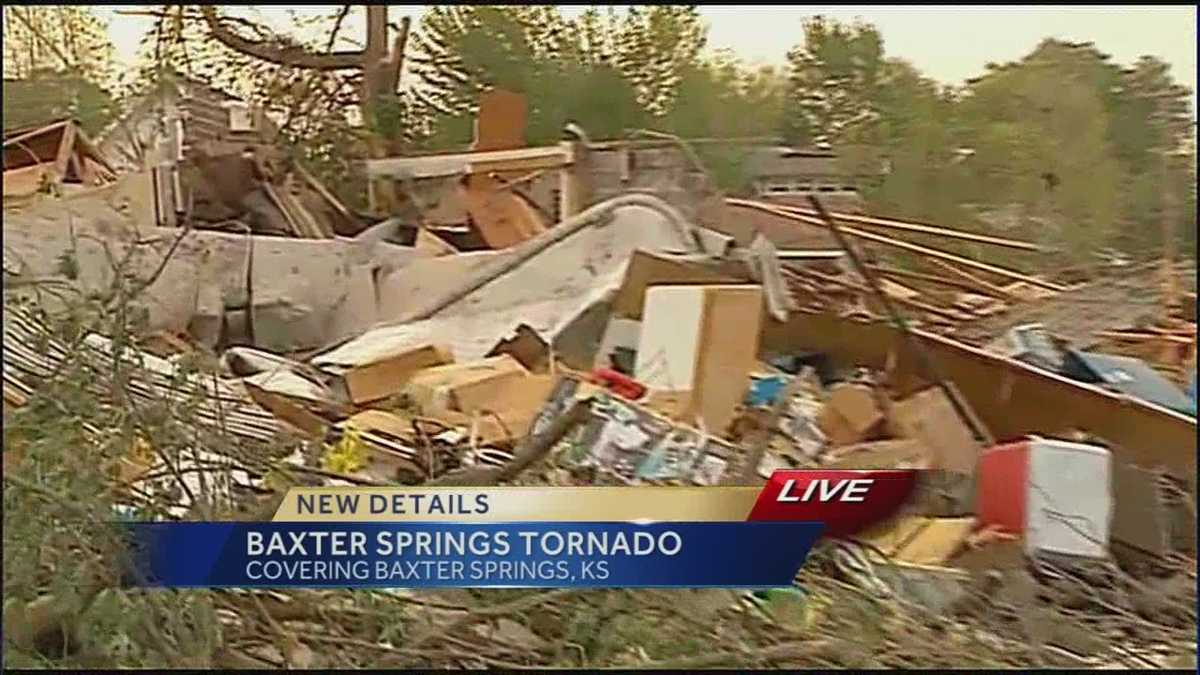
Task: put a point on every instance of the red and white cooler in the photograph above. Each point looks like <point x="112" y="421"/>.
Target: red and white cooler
<point x="1056" y="494"/>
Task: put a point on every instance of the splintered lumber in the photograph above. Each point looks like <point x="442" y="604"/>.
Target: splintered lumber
<point x="980" y="285"/>
<point x="906" y="301"/>
<point x="1011" y="398"/>
<point x="896" y="243"/>
<point x="908" y="226"/>
<point x="928" y="278"/>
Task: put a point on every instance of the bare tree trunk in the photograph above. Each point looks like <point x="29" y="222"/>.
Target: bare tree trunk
<point x="380" y="74"/>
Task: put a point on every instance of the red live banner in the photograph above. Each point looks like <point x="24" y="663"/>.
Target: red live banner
<point x="845" y="501"/>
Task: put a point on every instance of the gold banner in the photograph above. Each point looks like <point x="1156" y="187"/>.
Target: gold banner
<point x="517" y="504"/>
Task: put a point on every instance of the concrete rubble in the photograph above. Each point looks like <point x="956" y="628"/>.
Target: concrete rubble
<point x="697" y="353"/>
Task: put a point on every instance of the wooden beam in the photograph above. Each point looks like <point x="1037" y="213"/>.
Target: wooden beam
<point x="897" y="243"/>
<point x="929" y="278"/>
<point x="908" y="302"/>
<point x="36" y="132"/>
<point x="65" y="147"/>
<point x="981" y="285"/>
<point x="908" y="226"/>
<point x="433" y="166"/>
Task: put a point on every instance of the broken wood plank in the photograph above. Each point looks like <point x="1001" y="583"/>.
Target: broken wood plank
<point x="981" y="285"/>
<point x="433" y="244"/>
<point x="909" y="226"/>
<point x="288" y="411"/>
<point x="929" y="278"/>
<point x="433" y="166"/>
<point x="35" y="132"/>
<point x="897" y="243"/>
<point x="908" y="302"/>
<point x="66" y="147"/>
<point x="320" y="189"/>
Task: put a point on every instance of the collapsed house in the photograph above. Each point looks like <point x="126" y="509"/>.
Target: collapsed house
<point x="208" y="158"/>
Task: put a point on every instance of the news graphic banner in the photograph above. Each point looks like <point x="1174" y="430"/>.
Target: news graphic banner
<point x="524" y="537"/>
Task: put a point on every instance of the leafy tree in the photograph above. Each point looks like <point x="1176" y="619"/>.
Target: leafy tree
<point x="48" y="94"/>
<point x="721" y="98"/>
<point x="566" y="71"/>
<point x="654" y="45"/>
<point x="833" y="78"/>
<point x="64" y="38"/>
<point x="57" y="63"/>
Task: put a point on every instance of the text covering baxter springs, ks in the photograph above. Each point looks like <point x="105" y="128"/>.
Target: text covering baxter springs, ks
<point x="733" y="537"/>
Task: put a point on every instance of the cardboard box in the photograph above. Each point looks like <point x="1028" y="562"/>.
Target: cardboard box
<point x="386" y="377"/>
<point x="702" y="340"/>
<point x="929" y="417"/>
<point x="437" y="388"/>
<point x="850" y="415"/>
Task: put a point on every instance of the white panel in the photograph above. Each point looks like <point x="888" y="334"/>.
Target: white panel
<point x="671" y="323"/>
<point x="1069" y="508"/>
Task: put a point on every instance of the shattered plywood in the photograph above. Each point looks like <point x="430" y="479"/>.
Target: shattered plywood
<point x="502" y="217"/>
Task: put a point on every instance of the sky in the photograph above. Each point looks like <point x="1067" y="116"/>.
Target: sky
<point x="948" y="43"/>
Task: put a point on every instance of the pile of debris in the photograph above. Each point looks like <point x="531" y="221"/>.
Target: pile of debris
<point x="620" y="341"/>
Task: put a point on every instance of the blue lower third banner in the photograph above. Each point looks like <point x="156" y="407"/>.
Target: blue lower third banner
<point x="427" y="555"/>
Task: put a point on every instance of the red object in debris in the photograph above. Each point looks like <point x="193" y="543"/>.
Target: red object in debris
<point x="618" y="383"/>
<point x="1001" y="492"/>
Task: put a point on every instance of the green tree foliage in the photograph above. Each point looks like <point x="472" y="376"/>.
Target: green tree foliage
<point x="721" y="98"/>
<point x="58" y="62"/>
<point x="48" y="94"/>
<point x="1084" y="155"/>
<point x="606" y="72"/>
<point x="833" y="78"/>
